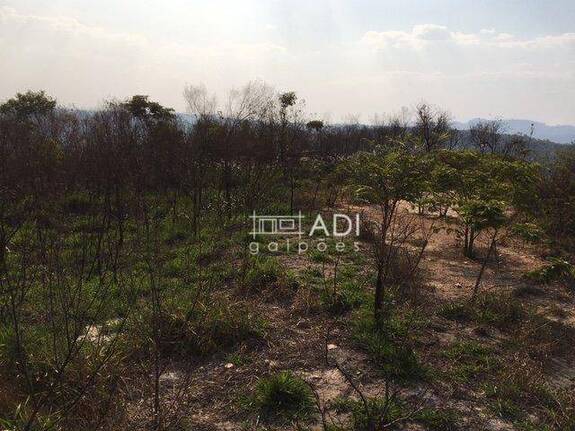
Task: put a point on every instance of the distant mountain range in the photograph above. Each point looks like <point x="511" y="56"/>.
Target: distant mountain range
<point x="542" y="131"/>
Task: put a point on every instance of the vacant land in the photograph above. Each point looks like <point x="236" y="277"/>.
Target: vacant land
<point x="505" y="363"/>
<point x="132" y="296"/>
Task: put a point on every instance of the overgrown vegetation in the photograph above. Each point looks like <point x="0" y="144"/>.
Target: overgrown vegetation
<point x="282" y="397"/>
<point x="124" y="253"/>
<point x="502" y="311"/>
<point x="557" y="270"/>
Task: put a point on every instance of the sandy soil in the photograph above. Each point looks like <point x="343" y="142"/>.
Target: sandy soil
<point x="297" y="337"/>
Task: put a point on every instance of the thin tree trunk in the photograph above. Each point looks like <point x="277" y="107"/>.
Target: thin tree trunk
<point x="480" y="275"/>
<point x="379" y="295"/>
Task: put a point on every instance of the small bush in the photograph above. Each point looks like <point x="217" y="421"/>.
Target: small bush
<point x="557" y="270"/>
<point x="283" y="397"/>
<point x="175" y="267"/>
<point x="504" y="407"/>
<point x="403" y="273"/>
<point x="388" y="345"/>
<point x="500" y="311"/>
<point x="18" y="419"/>
<point x="529" y="232"/>
<point x="468" y="360"/>
<point x="459" y="312"/>
<point x="438" y="420"/>
<point x="319" y="257"/>
<point x="224" y="328"/>
<point x="520" y="388"/>
<point x="210" y="329"/>
<point x="176" y="232"/>
<point x="262" y="273"/>
<point x="510" y="396"/>
<point x="346" y="298"/>
<point x="379" y="412"/>
<point x="77" y="204"/>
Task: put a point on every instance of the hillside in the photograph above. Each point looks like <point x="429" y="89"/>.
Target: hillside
<point x="539" y="150"/>
<point x="561" y="134"/>
<point x="464" y="357"/>
<point x="261" y="272"/>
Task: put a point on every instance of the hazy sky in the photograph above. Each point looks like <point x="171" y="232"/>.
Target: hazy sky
<point x="514" y="59"/>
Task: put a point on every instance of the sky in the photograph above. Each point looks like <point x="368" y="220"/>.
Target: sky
<point x="347" y="59"/>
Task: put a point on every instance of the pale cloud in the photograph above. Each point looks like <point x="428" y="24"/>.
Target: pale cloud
<point x="391" y="39"/>
<point x="471" y="73"/>
<point x="72" y="27"/>
<point x="430" y="32"/>
<point x="417" y="38"/>
<point x="63" y="24"/>
<point x="80" y="63"/>
<point x="427" y="35"/>
<point x="85" y="58"/>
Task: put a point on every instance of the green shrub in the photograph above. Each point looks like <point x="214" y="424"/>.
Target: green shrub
<point x="558" y="269"/>
<point x="208" y="329"/>
<point x="388" y="345"/>
<point x="517" y="388"/>
<point x="265" y="272"/>
<point x="19" y="417"/>
<point x="262" y="273"/>
<point x="77" y="204"/>
<point x="175" y="267"/>
<point x="469" y="360"/>
<point x="319" y="257"/>
<point x="500" y="310"/>
<point x="459" y="312"/>
<point x="37" y="348"/>
<point x="176" y="232"/>
<point x="284" y="396"/>
<point x="506" y="408"/>
<point x="529" y="232"/>
<point x="438" y="420"/>
<point x="378" y="411"/>
<point x="224" y="327"/>
<point x="346" y="298"/>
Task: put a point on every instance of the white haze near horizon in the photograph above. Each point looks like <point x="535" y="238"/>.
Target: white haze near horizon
<point x="505" y="58"/>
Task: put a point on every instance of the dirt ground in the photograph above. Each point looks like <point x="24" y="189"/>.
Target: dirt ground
<point x="297" y="339"/>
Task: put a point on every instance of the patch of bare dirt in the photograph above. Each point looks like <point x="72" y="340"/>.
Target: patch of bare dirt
<point x="297" y="335"/>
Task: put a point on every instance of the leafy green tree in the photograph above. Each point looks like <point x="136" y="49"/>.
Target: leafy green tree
<point x="29" y="104"/>
<point x="441" y="184"/>
<point x="141" y="107"/>
<point x="384" y="180"/>
<point x="478" y="215"/>
<point x="556" y="191"/>
<point x="479" y="185"/>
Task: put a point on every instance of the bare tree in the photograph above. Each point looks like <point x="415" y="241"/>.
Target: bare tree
<point x="432" y="127"/>
<point x="487" y="136"/>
